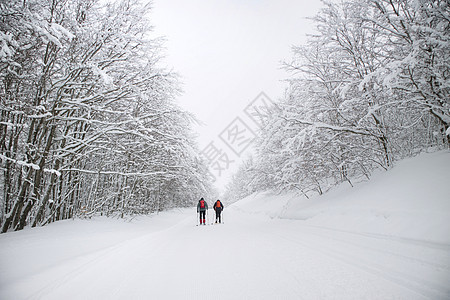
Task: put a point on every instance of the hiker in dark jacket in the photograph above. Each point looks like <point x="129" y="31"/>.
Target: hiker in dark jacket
<point x="202" y="206"/>
<point x="218" y="207"/>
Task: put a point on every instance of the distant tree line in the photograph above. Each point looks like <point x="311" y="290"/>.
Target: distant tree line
<point x="370" y="86"/>
<point x="88" y="120"/>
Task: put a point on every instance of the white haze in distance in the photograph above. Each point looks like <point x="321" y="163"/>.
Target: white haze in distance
<point x="227" y="52"/>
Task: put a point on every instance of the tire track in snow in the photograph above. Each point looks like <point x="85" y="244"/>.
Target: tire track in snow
<point x="315" y="271"/>
<point x="420" y="285"/>
<point x="403" y="248"/>
<point x="81" y="265"/>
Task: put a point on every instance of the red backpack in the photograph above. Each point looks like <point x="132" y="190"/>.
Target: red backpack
<point x="202" y="203"/>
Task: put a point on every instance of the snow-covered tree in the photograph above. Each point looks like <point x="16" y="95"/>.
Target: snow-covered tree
<point x="243" y="183"/>
<point x="88" y="119"/>
<point x="369" y="87"/>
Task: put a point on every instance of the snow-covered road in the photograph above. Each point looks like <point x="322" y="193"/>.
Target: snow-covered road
<point x="251" y="256"/>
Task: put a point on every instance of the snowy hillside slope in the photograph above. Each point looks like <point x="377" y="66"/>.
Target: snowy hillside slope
<point x="412" y="201"/>
<point x="384" y="239"/>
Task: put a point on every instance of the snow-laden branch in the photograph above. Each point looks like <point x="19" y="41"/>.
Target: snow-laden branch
<point x="149" y="174"/>
<point x="29" y="165"/>
<point x="20" y="162"/>
<point x="359" y="131"/>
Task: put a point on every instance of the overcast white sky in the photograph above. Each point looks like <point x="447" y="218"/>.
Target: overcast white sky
<point x="227" y="52"/>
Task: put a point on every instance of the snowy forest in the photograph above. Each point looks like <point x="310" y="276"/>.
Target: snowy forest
<point x="89" y="123"/>
<point x="340" y="183"/>
<point x="371" y="86"/>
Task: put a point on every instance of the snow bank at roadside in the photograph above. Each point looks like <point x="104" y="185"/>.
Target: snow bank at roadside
<point x="410" y="201"/>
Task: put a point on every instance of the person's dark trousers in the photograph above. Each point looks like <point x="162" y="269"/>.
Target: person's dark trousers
<point x="202" y="217"/>
<point x="218" y="217"/>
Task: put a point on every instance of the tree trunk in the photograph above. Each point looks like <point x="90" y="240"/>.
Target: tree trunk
<point x="37" y="181"/>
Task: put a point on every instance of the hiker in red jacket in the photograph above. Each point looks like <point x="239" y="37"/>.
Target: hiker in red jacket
<point x="218" y="207"/>
<point x="202" y="206"/>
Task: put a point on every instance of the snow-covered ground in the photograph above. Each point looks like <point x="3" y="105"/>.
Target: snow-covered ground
<point x="384" y="239"/>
